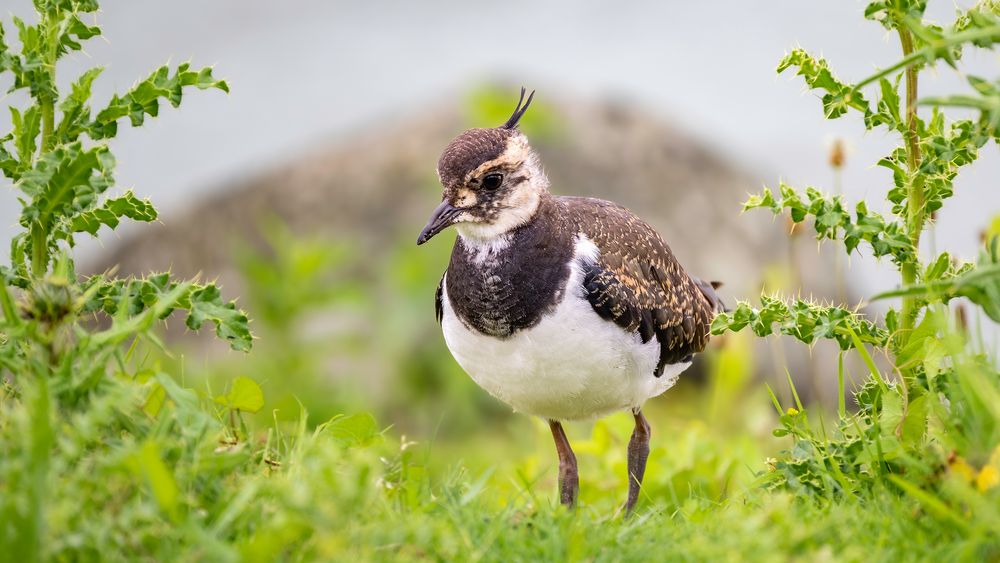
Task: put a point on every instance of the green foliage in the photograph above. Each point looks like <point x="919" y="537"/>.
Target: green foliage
<point x="987" y="102"/>
<point x="980" y="284"/>
<point x="289" y="282"/>
<point x="930" y="432"/>
<point x="805" y="321"/>
<point x="978" y="26"/>
<point x="832" y="221"/>
<point x="181" y="484"/>
<point x="357" y="430"/>
<point x="839" y="97"/>
<point x="69" y="395"/>
<point x="144" y="98"/>
<point x="244" y="395"/>
<point x="925" y="165"/>
<point x="126" y="300"/>
<point x="111" y="212"/>
<point x="64" y="179"/>
<point x="294" y="276"/>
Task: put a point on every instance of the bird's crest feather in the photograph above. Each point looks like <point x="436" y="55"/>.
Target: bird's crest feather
<point x="518" y="111"/>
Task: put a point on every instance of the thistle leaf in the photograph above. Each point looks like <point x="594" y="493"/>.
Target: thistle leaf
<point x="111" y="212"/>
<point x="73" y="31"/>
<point x="64" y="182"/>
<point x="231" y="324"/>
<point x="27" y="127"/>
<point x="839" y="96"/>
<point x="144" y="98"/>
<point x="76" y="112"/>
<point x="128" y="299"/>
<point x="833" y="222"/>
<point x="802" y="320"/>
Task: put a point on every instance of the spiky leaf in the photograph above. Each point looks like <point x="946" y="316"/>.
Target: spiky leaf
<point x="111" y="212"/>
<point x="144" y="98"/>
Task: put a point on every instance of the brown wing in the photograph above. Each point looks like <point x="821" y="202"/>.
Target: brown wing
<point x="639" y="285"/>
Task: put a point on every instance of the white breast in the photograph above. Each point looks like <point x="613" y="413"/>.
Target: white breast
<point x="571" y="365"/>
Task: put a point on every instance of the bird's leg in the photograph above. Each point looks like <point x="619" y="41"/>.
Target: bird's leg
<point x="569" y="479"/>
<point x="638" y="452"/>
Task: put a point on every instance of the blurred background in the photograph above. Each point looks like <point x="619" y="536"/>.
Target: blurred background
<point x="304" y="189"/>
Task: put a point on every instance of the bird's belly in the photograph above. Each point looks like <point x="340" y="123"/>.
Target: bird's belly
<point x="571" y="365"/>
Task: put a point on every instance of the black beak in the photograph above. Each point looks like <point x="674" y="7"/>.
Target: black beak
<point x="440" y="220"/>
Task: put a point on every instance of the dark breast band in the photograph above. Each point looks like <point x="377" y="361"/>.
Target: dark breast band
<point x="512" y="288"/>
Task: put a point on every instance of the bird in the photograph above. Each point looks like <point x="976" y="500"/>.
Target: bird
<point x="564" y="308"/>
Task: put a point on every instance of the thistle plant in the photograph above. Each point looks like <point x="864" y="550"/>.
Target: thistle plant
<point x="64" y="170"/>
<point x="61" y="335"/>
<point x="941" y="390"/>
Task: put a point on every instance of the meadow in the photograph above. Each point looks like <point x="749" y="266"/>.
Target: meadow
<point x="115" y="445"/>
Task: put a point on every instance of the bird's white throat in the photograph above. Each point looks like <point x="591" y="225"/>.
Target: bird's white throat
<point x="485" y="250"/>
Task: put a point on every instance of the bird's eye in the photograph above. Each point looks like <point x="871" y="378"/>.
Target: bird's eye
<point x="492" y="181"/>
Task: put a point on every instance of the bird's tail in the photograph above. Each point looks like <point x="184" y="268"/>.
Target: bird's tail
<point x="708" y="290"/>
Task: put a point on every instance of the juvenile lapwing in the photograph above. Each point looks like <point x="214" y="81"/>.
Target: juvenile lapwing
<point x="566" y="308"/>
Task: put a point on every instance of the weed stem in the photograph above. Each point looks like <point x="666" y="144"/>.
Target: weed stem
<point x="915" y="195"/>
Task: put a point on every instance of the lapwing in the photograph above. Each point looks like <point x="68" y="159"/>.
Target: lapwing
<point x="565" y="308"/>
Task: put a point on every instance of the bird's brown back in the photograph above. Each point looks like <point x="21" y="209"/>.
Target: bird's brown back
<point x="639" y="284"/>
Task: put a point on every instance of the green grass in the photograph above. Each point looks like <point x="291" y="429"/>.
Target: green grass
<point x="189" y="497"/>
<point x="195" y="480"/>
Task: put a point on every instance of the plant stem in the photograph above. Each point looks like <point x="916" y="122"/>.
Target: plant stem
<point x="40" y="441"/>
<point x="48" y="123"/>
<point x="915" y="192"/>
<point x="47" y="98"/>
<point x="910" y="57"/>
<point x="7" y="305"/>
<point x="39" y="250"/>
<point x="47" y="103"/>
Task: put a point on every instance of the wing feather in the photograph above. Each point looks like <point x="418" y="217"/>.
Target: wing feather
<point x="638" y="284"/>
<point x="438" y="304"/>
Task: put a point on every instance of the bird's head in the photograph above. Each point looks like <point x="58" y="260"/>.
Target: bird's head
<point x="492" y="179"/>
